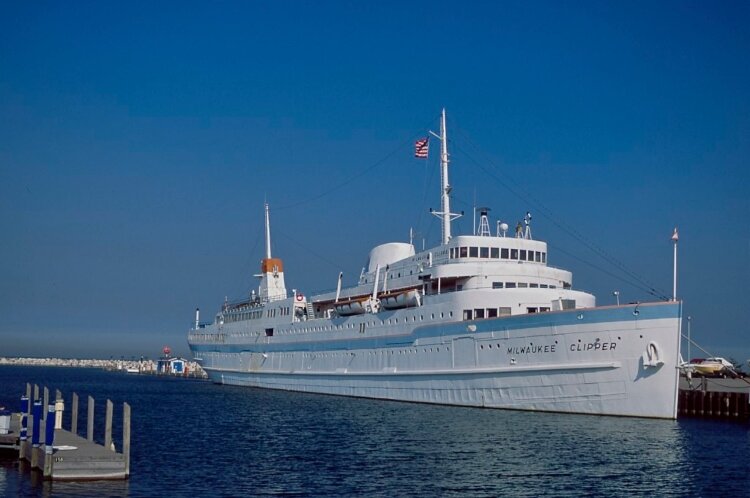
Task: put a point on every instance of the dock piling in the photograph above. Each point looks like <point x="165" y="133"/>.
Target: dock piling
<point x="24" y="420"/>
<point x="45" y="403"/>
<point x="36" y="420"/>
<point x="108" y="426"/>
<point x="83" y="459"/>
<point x="90" y="420"/>
<point x="49" y="439"/>
<point x="126" y="436"/>
<point x="74" y="414"/>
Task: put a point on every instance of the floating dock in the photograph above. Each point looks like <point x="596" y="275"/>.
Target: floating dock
<point x="38" y="437"/>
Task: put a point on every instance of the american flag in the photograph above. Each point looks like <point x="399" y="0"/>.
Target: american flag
<point x="421" y="147"/>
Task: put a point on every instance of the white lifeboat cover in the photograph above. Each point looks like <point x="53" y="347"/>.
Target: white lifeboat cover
<point x="387" y="254"/>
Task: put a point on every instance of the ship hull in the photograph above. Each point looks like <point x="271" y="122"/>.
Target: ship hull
<point x="605" y="361"/>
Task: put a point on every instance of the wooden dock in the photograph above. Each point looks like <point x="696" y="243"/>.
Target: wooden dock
<point x="68" y="456"/>
<point x="714" y="398"/>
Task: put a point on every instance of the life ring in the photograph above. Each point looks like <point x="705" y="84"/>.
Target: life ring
<point x="300" y="297"/>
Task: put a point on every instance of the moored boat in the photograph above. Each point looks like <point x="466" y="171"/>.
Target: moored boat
<point x="478" y="320"/>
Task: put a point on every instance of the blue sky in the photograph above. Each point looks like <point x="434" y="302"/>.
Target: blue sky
<point x="138" y="142"/>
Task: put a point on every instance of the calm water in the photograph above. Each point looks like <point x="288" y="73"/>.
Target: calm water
<point x="193" y="438"/>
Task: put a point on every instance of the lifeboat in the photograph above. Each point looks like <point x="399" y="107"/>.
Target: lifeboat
<point x="407" y="299"/>
<point x="348" y="308"/>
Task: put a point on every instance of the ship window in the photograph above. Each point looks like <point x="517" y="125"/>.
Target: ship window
<point x="523" y="254"/>
<point x="468" y="315"/>
<point x="504" y="253"/>
<point x="494" y="252"/>
<point x="544" y="257"/>
<point x="531" y="310"/>
<point x="451" y="253"/>
<point x="543" y="309"/>
<point x="497" y="285"/>
<point x="484" y="252"/>
<point x="566" y="285"/>
<point x="522" y="285"/>
<point x="491" y="313"/>
<point x="269" y="332"/>
<point x="479" y="313"/>
<point x="538" y="257"/>
<point x="534" y="286"/>
<point x="510" y="285"/>
<point x="543" y="286"/>
<point x="503" y="311"/>
<point x="463" y="252"/>
<point x="553" y="287"/>
<point x="473" y="252"/>
<point x="514" y="254"/>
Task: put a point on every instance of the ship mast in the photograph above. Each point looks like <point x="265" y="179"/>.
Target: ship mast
<point x="272" y="286"/>
<point x="445" y="188"/>
<point x="268" y="233"/>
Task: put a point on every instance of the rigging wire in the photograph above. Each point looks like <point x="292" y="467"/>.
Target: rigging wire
<point x="547" y="213"/>
<point x="613" y="275"/>
<point x="336" y="266"/>
<point x="356" y="176"/>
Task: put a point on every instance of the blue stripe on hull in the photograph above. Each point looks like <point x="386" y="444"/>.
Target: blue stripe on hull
<point x="616" y="314"/>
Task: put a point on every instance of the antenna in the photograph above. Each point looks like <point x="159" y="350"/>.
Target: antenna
<point x="483" y="230"/>
<point x="268" y="233"/>
<point x="527" y="223"/>
<point x="445" y="188"/>
<point x="502" y="227"/>
<point x="675" y="238"/>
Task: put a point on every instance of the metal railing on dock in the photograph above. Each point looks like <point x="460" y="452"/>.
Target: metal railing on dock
<point x="62" y="454"/>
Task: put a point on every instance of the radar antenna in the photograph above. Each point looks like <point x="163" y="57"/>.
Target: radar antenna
<point x="483" y="230"/>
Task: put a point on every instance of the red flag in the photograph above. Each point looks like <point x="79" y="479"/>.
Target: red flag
<point x="421" y="147"/>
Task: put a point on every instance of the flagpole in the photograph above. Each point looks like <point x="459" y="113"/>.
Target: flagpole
<point x="675" y="238"/>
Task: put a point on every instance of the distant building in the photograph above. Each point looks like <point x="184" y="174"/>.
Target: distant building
<point x="172" y="366"/>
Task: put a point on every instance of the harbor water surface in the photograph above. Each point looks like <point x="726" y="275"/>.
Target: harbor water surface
<point x="194" y="438"/>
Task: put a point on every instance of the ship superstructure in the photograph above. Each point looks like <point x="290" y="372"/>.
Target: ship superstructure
<point x="480" y="320"/>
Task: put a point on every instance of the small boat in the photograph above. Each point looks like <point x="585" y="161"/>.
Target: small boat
<point x="349" y="308"/>
<point x="132" y="370"/>
<point x="400" y="300"/>
<point x="710" y="366"/>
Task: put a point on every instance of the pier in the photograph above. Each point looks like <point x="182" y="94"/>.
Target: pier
<point x="714" y="398"/>
<point x="36" y="433"/>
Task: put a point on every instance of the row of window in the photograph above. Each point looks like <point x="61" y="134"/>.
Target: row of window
<point x="498" y="253"/>
<point x="521" y="285"/>
<point x="254" y="315"/>
<point x="482" y="313"/>
<point x="352" y="325"/>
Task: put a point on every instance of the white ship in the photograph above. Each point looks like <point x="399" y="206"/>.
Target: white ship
<point x="480" y="320"/>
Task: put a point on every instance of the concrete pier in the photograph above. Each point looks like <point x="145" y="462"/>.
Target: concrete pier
<point x="61" y="454"/>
